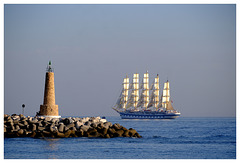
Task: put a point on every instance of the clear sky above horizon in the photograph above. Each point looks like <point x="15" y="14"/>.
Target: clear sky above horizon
<point x="93" y="47"/>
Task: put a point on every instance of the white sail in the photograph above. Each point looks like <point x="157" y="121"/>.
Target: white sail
<point x="130" y="101"/>
<point x="119" y="103"/>
<point x="134" y="96"/>
<point x="156" y="92"/>
<point x="169" y="106"/>
<point x="123" y="98"/>
<point x="151" y="100"/>
<point x="136" y="89"/>
<point x="125" y="92"/>
<point x="154" y="98"/>
<point x="160" y="103"/>
<point x="140" y="101"/>
<point x="144" y="98"/>
<point x="145" y="90"/>
<point x="119" y="100"/>
<point x="165" y="95"/>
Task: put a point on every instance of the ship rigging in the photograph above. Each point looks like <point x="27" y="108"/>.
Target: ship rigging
<point x="146" y="105"/>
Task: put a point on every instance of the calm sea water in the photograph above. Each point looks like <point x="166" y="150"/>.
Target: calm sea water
<point x="182" y="138"/>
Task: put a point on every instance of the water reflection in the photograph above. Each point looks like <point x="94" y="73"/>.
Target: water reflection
<point x="51" y="147"/>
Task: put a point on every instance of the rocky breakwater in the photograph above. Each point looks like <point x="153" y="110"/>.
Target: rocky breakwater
<point x="21" y="126"/>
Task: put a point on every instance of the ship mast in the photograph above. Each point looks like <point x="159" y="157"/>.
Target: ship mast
<point x="156" y="92"/>
<point x="123" y="98"/>
<point x="125" y="92"/>
<point x="154" y="99"/>
<point x="145" y="90"/>
<point x="119" y="101"/>
<point x="135" y="90"/>
<point x="166" y="95"/>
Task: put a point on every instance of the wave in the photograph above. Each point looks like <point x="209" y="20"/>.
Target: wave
<point x="219" y="136"/>
<point x="177" y="137"/>
<point x="162" y="137"/>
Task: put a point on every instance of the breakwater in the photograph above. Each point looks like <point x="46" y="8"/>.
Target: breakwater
<point x="26" y="126"/>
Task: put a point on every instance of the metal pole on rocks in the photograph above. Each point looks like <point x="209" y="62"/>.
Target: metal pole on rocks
<point x="23" y="106"/>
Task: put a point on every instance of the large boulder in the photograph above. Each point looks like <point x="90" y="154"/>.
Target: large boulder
<point x="94" y="125"/>
<point x="20" y="132"/>
<point x="71" y="125"/>
<point x="73" y="133"/>
<point x="11" y="126"/>
<point x="41" y="128"/>
<point x="34" y="127"/>
<point x="80" y="133"/>
<point x="85" y="119"/>
<point x="55" y="120"/>
<point x="25" y="123"/>
<point x="28" y="133"/>
<point x="100" y="125"/>
<point x="61" y="127"/>
<point x="116" y="126"/>
<point x="137" y="135"/>
<point x="124" y="128"/>
<point x="33" y="134"/>
<point x="103" y="120"/>
<point x="48" y="119"/>
<point x="126" y="133"/>
<point x="65" y="128"/>
<point x="39" y="123"/>
<point x="60" y="135"/>
<point x="21" y="125"/>
<point x="111" y="131"/>
<point x="103" y="131"/>
<point x="9" y="121"/>
<point x="16" y="117"/>
<point x="84" y="128"/>
<point x="6" y="116"/>
<point x="92" y="132"/>
<point x="53" y="128"/>
<point x="88" y="123"/>
<point x="67" y="133"/>
<point x="107" y="124"/>
<point x="118" y="133"/>
<point x="132" y="132"/>
<point x="21" y="116"/>
<point x="30" y="118"/>
<point x="78" y="124"/>
<point x="41" y="118"/>
<point x="107" y="136"/>
<point x="47" y="134"/>
<point x="15" y="121"/>
<point x="67" y="121"/>
<point x="35" y="120"/>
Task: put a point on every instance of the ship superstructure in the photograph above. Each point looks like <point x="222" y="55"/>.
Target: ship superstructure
<point x="139" y="101"/>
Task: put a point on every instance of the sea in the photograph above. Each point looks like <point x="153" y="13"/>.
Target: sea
<point x="181" y="138"/>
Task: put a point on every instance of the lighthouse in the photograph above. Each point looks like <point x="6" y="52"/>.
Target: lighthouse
<point x="49" y="108"/>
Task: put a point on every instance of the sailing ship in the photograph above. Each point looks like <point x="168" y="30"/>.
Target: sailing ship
<point x="146" y="105"/>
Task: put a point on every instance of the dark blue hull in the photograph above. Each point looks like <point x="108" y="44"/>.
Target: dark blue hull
<point x="148" y="115"/>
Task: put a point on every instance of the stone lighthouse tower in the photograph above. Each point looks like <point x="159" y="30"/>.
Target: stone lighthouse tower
<point x="49" y="108"/>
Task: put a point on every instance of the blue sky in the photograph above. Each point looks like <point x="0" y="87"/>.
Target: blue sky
<point x="92" y="47"/>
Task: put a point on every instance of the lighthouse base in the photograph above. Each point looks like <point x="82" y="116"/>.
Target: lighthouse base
<point x="49" y="116"/>
<point x="48" y="111"/>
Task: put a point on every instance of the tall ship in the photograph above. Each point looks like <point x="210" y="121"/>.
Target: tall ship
<point x="139" y="101"/>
